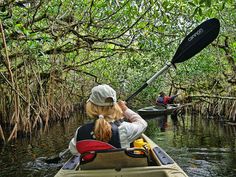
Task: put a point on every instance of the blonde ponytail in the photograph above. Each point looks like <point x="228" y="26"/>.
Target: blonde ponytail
<point x="102" y="130"/>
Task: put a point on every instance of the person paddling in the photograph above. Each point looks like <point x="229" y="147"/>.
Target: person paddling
<point x="164" y="100"/>
<point x="109" y="125"/>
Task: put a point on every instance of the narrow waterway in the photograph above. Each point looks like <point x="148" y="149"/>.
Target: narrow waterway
<point x="201" y="147"/>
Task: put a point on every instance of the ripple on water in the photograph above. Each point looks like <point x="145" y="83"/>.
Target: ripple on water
<point x="39" y="167"/>
<point x="204" y="162"/>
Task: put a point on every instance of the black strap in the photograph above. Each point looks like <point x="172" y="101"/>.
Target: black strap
<point x="165" y="159"/>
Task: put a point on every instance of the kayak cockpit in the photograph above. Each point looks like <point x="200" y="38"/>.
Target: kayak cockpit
<point x="122" y="162"/>
<point x="110" y="159"/>
<point x="104" y="156"/>
<point x="116" y="158"/>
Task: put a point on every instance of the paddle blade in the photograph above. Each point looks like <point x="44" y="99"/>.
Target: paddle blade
<point x="197" y="40"/>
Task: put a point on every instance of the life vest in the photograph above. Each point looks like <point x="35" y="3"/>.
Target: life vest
<point x="166" y="100"/>
<point x="85" y="132"/>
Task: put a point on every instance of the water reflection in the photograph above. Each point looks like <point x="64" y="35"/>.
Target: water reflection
<point x="201" y="147"/>
<point x="163" y="123"/>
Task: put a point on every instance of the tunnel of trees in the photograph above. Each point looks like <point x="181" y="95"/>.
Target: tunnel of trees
<point x="54" y="51"/>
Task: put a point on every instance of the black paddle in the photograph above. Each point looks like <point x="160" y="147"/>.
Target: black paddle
<point x="193" y="43"/>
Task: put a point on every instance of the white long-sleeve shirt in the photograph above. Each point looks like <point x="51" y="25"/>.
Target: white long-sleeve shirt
<point x="128" y="131"/>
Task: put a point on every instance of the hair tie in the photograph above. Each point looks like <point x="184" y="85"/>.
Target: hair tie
<point x="100" y="116"/>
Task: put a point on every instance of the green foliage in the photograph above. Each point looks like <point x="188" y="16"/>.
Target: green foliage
<point x="122" y="43"/>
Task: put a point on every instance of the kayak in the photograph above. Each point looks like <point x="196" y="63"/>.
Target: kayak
<point x="150" y="161"/>
<point x="157" y="111"/>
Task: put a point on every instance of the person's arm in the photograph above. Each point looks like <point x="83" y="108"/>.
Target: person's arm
<point x="173" y="97"/>
<point x="136" y="126"/>
<point x="135" y="118"/>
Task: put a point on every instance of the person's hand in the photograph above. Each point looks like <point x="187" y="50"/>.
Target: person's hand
<point x="122" y="105"/>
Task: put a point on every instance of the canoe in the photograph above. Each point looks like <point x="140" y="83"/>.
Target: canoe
<point x="151" y="162"/>
<point x="157" y="111"/>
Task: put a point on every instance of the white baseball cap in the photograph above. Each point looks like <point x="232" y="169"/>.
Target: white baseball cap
<point x="103" y="95"/>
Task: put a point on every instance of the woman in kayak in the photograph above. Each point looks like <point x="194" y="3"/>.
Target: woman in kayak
<point x="109" y="125"/>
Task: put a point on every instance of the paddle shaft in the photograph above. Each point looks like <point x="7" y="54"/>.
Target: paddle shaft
<point x="149" y="81"/>
<point x="61" y="154"/>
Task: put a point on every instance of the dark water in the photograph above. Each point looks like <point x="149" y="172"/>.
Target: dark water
<point x="201" y="147"/>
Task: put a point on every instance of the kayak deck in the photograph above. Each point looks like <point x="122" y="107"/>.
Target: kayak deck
<point x="114" y="164"/>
